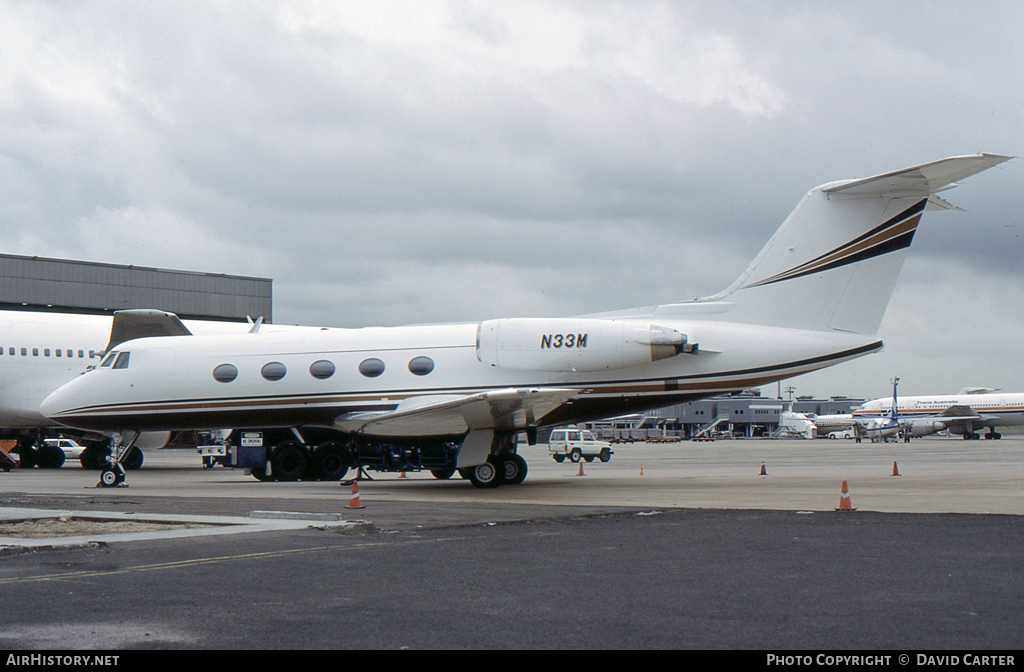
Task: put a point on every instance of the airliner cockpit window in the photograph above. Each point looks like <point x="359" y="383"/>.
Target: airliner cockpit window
<point x="122" y="360"/>
<point x="109" y="359"/>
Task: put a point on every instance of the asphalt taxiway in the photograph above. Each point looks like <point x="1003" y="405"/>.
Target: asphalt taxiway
<point x="682" y="545"/>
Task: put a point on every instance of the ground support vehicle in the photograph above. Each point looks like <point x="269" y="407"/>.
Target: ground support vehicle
<point x="577" y="444"/>
<point x="6" y="461"/>
<point x="276" y="454"/>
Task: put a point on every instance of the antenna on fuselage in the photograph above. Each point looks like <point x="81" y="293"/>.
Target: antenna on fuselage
<point x="255" y="325"/>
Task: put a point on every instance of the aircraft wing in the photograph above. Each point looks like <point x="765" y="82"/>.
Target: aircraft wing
<point x="439" y="415"/>
<point x="956" y="417"/>
<point x="923" y="180"/>
<point x="959" y="412"/>
<point x="130" y="324"/>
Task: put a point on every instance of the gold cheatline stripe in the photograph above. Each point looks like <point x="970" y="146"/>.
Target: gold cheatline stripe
<point x="845" y="251"/>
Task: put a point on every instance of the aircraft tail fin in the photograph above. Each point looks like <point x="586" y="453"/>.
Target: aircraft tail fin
<point x="833" y="264"/>
<point x="140" y="323"/>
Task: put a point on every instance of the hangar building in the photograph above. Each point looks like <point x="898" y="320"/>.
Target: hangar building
<point x="60" y="285"/>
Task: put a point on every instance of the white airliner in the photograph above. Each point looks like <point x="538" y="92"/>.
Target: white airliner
<point x="813" y="297"/>
<point x="963" y="413"/>
<point x="40" y="351"/>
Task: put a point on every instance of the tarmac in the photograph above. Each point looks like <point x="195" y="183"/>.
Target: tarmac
<point x="935" y="537"/>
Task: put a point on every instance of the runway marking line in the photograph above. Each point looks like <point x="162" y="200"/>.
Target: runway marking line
<point x="210" y="561"/>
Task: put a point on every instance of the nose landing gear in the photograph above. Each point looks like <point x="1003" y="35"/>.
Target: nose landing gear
<point x="112" y="475"/>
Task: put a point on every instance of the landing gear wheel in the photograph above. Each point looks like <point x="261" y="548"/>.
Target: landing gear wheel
<point x="289" y="462"/>
<point x="133" y="460"/>
<point x="330" y="461"/>
<point x="29" y="456"/>
<point x="111" y="477"/>
<point x="94" y="458"/>
<point x="50" y="457"/>
<point x="260" y="474"/>
<point x="513" y="469"/>
<point x="486" y="475"/>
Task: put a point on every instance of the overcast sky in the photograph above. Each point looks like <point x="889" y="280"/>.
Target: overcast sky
<point x="400" y="162"/>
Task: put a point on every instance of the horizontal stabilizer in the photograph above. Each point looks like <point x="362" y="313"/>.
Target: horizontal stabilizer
<point x="143" y="323"/>
<point x="923" y="180"/>
<point x="936" y="203"/>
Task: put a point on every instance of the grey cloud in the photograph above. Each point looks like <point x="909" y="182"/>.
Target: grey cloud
<point x="448" y="161"/>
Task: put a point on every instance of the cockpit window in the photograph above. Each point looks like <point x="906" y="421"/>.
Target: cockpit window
<point x="109" y="359"/>
<point x="122" y="360"/>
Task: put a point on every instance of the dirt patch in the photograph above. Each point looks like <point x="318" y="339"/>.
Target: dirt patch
<point x="43" y="528"/>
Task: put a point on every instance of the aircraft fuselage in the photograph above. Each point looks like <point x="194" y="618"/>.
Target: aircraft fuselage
<point x="342" y="377"/>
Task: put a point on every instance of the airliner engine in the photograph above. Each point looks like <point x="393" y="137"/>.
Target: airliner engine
<point x="926" y="427"/>
<point x="580" y="344"/>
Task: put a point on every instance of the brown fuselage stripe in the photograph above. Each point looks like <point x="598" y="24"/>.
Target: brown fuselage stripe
<point x="386" y="400"/>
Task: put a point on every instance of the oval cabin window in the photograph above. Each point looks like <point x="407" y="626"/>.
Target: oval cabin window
<point x="421" y="366"/>
<point x="371" y="368"/>
<point x="321" y="369"/>
<point x="273" y="371"/>
<point x="225" y="373"/>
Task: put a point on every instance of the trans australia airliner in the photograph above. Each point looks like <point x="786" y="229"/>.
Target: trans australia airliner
<point x="813" y="297"/>
<point x="963" y="413"/>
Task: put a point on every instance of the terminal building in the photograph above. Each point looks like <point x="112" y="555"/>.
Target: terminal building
<point x="59" y="285"/>
<point x="747" y="414"/>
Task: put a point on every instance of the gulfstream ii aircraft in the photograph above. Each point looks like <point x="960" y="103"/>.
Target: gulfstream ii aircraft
<point x="453" y="396"/>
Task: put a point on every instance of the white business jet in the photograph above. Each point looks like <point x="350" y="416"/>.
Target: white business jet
<point x="812" y="298"/>
<point x="40" y="351"/>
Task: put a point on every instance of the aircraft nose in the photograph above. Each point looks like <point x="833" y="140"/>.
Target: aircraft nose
<point x="52" y="405"/>
<point x="57" y="403"/>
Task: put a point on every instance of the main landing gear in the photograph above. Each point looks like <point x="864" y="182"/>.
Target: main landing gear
<point x="279" y="455"/>
<point x="507" y="468"/>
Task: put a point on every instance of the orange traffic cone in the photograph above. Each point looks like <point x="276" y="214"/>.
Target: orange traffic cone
<point x="764" y="472"/>
<point x="581" y="469"/>
<point x="641" y="468"/>
<point x="844" y="499"/>
<point x="353" y="500"/>
<point x="895" y="471"/>
<point x="402" y="475"/>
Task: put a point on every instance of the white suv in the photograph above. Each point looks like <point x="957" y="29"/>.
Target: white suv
<point x="69" y="446"/>
<point x="576" y="444"/>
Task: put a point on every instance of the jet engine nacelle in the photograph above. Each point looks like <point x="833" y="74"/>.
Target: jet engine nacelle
<point x="575" y="344"/>
<point x="926" y="427"/>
